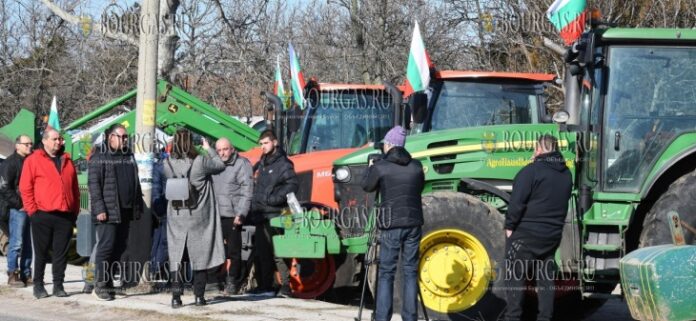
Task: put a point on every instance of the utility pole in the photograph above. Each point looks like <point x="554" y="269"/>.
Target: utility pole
<point x="145" y="139"/>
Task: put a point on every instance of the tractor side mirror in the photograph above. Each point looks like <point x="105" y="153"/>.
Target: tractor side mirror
<point x="405" y="116"/>
<point x="419" y="106"/>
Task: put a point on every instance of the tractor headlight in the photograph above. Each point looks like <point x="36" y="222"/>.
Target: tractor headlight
<point x="342" y="174"/>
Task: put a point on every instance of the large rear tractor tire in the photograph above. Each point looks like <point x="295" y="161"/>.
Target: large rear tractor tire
<point x="461" y="259"/>
<point x="679" y="197"/>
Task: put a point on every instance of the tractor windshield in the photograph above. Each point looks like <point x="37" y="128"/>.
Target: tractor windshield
<point x="346" y="119"/>
<point x="469" y="104"/>
<point x="650" y="100"/>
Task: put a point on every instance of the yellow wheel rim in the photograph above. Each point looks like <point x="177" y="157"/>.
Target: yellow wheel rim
<point x="454" y="270"/>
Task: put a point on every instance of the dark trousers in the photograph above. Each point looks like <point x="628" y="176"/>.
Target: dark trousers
<point x="523" y="265"/>
<point x="158" y="254"/>
<point x="233" y="247"/>
<point x="264" y="260"/>
<point x="113" y="239"/>
<point x="177" y="269"/>
<point x="51" y="232"/>
<point x="391" y="243"/>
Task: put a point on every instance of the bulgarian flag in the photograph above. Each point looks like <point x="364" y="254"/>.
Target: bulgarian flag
<point x="53" y="121"/>
<point x="297" y="81"/>
<point x="568" y="16"/>
<point x="419" y="64"/>
<point x="278" y="88"/>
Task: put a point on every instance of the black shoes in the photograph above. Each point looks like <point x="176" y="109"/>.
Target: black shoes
<point x="28" y="281"/>
<point x="285" y="292"/>
<point x="88" y="288"/>
<point x="176" y="301"/>
<point x="262" y="292"/>
<point x="40" y="291"/>
<point x="102" y="294"/>
<point x="200" y="301"/>
<point x="59" y="291"/>
<point x="231" y="287"/>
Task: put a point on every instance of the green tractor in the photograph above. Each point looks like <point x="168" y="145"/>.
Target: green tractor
<point x="631" y="100"/>
<point x="472" y="136"/>
<point x="628" y="134"/>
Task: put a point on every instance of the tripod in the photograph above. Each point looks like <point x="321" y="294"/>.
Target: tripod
<point x="371" y="258"/>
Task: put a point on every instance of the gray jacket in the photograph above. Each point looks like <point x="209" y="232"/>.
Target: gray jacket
<point x="197" y="229"/>
<point x="234" y="187"/>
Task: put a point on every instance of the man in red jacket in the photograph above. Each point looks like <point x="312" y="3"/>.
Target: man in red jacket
<point x="51" y="197"/>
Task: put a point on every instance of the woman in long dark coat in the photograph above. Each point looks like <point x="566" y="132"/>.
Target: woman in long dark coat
<point x="193" y="231"/>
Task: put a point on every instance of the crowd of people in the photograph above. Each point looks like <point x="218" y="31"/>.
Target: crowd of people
<point x="201" y="201"/>
<point x="191" y="235"/>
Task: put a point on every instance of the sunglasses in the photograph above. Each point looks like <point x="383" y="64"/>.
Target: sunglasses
<point x="26" y="144"/>
<point x="121" y="136"/>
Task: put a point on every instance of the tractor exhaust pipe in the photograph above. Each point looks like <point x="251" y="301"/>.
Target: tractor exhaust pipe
<point x="277" y="108"/>
<point x="572" y="96"/>
<point x="397" y="103"/>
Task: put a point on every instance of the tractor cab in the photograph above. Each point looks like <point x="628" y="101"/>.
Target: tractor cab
<point x="340" y="116"/>
<point x="463" y="99"/>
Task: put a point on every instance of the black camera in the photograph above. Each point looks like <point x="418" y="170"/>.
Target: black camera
<point x="198" y="139"/>
<point x="372" y="158"/>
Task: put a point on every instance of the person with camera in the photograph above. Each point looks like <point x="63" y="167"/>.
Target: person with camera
<point x="534" y="226"/>
<point x="115" y="201"/>
<point x="193" y="223"/>
<point x="399" y="179"/>
<point x="275" y="178"/>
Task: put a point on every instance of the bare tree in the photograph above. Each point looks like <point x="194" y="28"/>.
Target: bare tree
<point x="224" y="51"/>
<point x="167" y="23"/>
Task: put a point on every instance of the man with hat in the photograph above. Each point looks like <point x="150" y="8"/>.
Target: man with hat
<point x="400" y="181"/>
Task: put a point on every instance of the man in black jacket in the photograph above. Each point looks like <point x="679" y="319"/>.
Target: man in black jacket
<point x="400" y="181"/>
<point x="275" y="178"/>
<point x="116" y="200"/>
<point x="533" y="226"/>
<point x="19" y="247"/>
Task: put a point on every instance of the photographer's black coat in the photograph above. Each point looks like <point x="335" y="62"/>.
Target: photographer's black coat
<point x="400" y="180"/>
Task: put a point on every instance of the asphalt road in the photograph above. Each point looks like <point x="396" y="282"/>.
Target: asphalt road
<point x="614" y="309"/>
<point x="19" y="305"/>
<point x="17" y="309"/>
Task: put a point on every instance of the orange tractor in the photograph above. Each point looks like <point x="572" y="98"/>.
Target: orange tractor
<point x="338" y="119"/>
